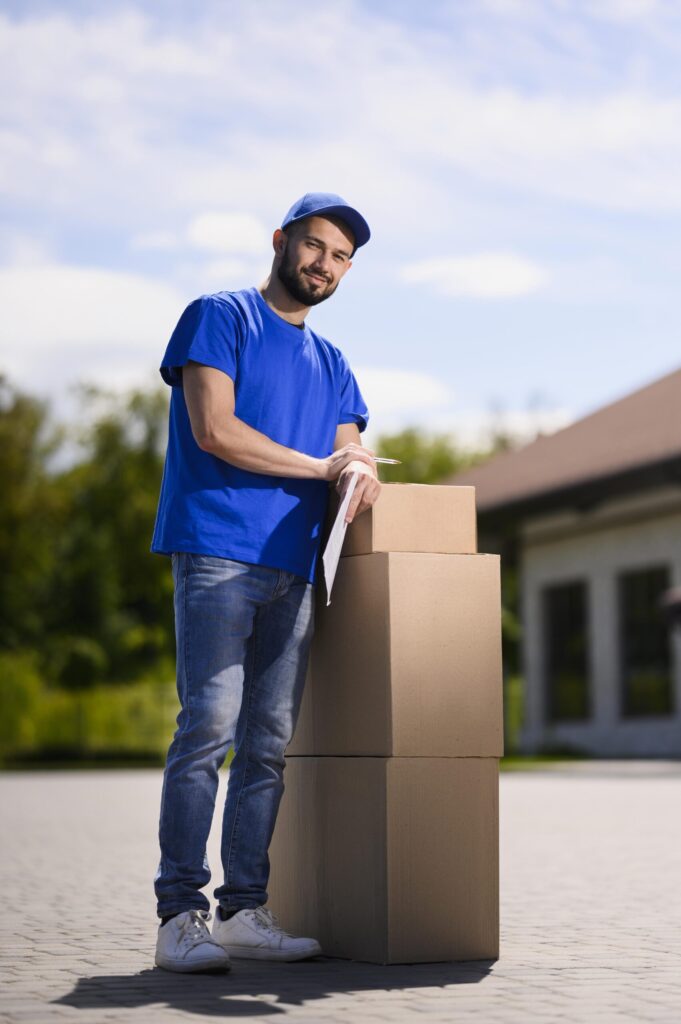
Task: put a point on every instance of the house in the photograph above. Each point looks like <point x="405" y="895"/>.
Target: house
<point x="591" y="517"/>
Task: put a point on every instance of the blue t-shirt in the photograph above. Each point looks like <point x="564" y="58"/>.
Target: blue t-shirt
<point x="290" y="384"/>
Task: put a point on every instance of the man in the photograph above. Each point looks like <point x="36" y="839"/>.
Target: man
<point x="264" y="415"/>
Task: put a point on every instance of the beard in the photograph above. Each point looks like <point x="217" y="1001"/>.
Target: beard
<point x="300" y="287"/>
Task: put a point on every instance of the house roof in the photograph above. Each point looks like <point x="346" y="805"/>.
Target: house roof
<point x="634" y="433"/>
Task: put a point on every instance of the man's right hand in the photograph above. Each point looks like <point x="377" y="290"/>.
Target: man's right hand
<point x="334" y="464"/>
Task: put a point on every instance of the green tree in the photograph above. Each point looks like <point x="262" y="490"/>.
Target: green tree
<point x="425" y="458"/>
<point x="30" y="516"/>
<point x="114" y="615"/>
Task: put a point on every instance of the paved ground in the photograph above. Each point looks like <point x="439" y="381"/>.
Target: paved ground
<point x="590" y="916"/>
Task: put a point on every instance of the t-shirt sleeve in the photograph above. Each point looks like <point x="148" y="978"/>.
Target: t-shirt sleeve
<point x="207" y="332"/>
<point x="353" y="408"/>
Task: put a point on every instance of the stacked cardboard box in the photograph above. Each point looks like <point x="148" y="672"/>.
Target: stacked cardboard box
<point x="386" y="847"/>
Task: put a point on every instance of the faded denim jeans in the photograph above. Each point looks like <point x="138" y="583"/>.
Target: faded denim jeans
<point x="243" y="634"/>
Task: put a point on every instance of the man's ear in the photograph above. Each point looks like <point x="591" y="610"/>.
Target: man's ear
<point x="279" y="240"/>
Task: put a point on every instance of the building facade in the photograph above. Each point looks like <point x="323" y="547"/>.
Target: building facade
<point x="591" y="516"/>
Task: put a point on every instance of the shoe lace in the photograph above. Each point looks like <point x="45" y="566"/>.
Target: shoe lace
<point x="194" y="928"/>
<point x="268" y="921"/>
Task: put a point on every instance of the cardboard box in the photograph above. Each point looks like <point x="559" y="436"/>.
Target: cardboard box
<point x="390" y="860"/>
<point x="406" y="660"/>
<point x="413" y="517"/>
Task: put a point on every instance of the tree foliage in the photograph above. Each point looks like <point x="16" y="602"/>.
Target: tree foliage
<point x="29" y="516"/>
<point x="81" y="587"/>
<point x="425" y="458"/>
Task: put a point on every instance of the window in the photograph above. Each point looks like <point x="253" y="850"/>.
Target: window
<point x="645" y="644"/>
<point x="566" y="655"/>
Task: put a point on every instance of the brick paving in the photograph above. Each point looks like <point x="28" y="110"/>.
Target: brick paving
<point x="590" y="914"/>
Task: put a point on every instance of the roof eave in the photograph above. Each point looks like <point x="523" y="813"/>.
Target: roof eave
<point x="582" y="495"/>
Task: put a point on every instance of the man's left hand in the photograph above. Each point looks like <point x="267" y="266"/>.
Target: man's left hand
<point x="367" y="488"/>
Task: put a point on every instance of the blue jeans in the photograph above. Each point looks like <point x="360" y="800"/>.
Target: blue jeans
<point x="243" y="634"/>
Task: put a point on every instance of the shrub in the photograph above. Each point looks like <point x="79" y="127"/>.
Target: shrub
<point x="21" y="692"/>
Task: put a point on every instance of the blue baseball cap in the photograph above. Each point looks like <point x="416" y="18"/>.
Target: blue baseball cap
<point x="316" y="204"/>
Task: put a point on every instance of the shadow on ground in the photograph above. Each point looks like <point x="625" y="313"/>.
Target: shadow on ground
<point x="254" y="989"/>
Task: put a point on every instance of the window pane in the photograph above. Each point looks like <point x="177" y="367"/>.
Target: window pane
<point x="566" y="651"/>
<point x="645" y="643"/>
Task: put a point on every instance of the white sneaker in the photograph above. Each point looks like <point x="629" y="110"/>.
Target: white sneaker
<point x="185" y="944"/>
<point x="254" y="933"/>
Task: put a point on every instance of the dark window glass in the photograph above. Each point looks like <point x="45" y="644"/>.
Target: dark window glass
<point x="645" y="644"/>
<point x="566" y="666"/>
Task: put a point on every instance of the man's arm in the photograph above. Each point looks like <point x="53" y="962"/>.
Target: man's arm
<point x="209" y="394"/>
<point x="368" y="486"/>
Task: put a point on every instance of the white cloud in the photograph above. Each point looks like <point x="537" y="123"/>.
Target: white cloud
<point x="240" y="233"/>
<point x="618" y="150"/>
<point x="622" y="10"/>
<point x="498" y="133"/>
<point x="611" y="10"/>
<point x="161" y="241"/>
<point x="475" y="428"/>
<point x="101" y="126"/>
<point x="389" y="392"/>
<point x="62" y="323"/>
<point x="398" y="399"/>
<point x="228" y="273"/>
<point x="485" y="275"/>
<point x="23" y="249"/>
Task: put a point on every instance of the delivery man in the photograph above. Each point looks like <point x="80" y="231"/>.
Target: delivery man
<point x="264" y="415"/>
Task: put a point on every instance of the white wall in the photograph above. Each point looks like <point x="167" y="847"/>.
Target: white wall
<point x="596" y="546"/>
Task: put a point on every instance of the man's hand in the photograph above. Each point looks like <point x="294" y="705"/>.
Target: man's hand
<point x="338" y="461"/>
<point x="367" y="488"/>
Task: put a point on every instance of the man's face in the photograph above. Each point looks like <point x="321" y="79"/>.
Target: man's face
<point x="315" y="254"/>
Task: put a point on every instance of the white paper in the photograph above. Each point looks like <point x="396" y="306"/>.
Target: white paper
<point x="334" y="544"/>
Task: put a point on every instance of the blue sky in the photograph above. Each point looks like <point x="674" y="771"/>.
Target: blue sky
<point x="518" y="162"/>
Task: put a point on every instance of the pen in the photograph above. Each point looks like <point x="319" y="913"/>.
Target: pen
<point x="393" y="462"/>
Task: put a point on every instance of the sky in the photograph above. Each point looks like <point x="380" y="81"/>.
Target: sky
<point x="518" y="162"/>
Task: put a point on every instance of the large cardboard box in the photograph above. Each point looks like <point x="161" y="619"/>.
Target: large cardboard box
<point x="413" y="517"/>
<point x="406" y="660"/>
<point x="390" y="860"/>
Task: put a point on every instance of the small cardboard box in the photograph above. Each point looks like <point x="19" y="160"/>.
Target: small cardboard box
<point x="412" y="517"/>
<point x="406" y="660"/>
<point x="390" y="860"/>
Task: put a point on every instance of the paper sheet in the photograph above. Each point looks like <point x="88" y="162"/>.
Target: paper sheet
<point x="335" y="542"/>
